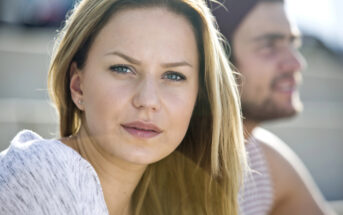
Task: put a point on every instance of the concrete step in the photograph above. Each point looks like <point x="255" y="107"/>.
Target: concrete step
<point x="23" y="75"/>
<point x="18" y="114"/>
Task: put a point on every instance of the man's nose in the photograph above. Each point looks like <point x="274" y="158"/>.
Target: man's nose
<point x="293" y="61"/>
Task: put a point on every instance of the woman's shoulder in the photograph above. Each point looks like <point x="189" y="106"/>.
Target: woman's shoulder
<point x="31" y="154"/>
<point x="30" y="157"/>
<point x="35" y="170"/>
<point x="32" y="151"/>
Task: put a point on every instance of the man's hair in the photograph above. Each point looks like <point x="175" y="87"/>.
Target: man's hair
<point x="230" y="15"/>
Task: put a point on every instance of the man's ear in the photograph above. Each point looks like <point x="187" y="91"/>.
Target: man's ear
<point x="75" y="86"/>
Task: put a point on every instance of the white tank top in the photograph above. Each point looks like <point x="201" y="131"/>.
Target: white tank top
<point x="256" y="197"/>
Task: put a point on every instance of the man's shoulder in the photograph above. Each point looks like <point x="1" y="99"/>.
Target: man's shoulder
<point x="283" y="162"/>
<point x="287" y="170"/>
<point x="272" y="145"/>
<point x="266" y="137"/>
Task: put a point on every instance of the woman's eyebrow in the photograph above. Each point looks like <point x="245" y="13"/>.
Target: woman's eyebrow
<point x="125" y="57"/>
<point x="137" y="62"/>
<point x="176" y="64"/>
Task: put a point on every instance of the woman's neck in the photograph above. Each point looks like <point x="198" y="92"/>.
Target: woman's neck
<point x="118" y="178"/>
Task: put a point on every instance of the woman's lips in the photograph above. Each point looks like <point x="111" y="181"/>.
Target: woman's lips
<point x="142" y="129"/>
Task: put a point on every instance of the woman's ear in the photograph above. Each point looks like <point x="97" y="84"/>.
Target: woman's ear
<point x="76" y="86"/>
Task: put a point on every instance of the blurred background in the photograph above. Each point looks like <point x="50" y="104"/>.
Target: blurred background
<point x="27" y="31"/>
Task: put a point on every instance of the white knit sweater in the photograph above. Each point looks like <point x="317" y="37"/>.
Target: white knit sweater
<point x="45" y="177"/>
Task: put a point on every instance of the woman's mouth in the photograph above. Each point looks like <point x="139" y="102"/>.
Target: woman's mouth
<point x="141" y="129"/>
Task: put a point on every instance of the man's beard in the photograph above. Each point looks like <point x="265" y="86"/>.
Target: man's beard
<point x="270" y="110"/>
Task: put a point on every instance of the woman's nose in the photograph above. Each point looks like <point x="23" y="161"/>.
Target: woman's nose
<point x="147" y="95"/>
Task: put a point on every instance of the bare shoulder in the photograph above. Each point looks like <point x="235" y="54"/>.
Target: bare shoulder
<point x="295" y="191"/>
<point x="282" y="161"/>
<point x="272" y="144"/>
<point x="279" y="155"/>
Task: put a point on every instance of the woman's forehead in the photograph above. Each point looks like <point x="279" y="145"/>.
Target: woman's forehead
<point x="145" y="30"/>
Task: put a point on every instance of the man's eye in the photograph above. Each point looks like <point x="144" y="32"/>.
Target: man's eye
<point x="270" y="45"/>
<point x="270" y="48"/>
<point x="122" y="69"/>
<point x="174" y="76"/>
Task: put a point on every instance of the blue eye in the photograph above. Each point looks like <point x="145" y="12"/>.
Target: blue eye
<point x="122" y="69"/>
<point x="174" y="76"/>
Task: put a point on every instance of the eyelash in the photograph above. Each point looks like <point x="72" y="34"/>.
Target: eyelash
<point x="121" y="67"/>
<point x="270" y="44"/>
<point x="124" y="69"/>
<point x="174" y="76"/>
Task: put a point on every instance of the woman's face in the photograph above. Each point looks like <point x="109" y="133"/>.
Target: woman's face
<point x="139" y="84"/>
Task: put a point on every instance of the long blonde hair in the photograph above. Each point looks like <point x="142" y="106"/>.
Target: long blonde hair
<point x="204" y="174"/>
